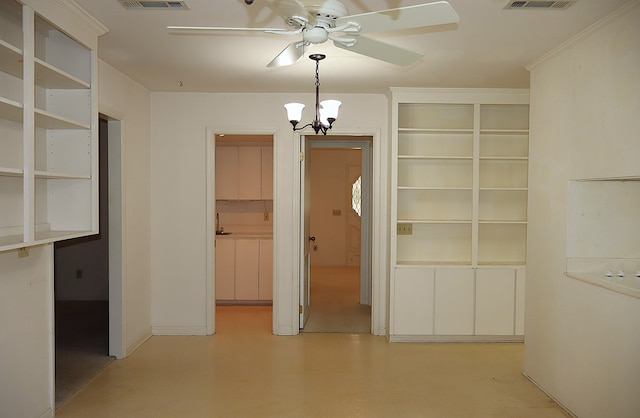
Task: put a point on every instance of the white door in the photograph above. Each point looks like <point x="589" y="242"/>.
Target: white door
<point x="305" y="253"/>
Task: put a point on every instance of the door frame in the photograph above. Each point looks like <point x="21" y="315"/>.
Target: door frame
<point x="379" y="232"/>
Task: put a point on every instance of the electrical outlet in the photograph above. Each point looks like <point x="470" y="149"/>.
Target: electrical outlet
<point x="79" y="274"/>
<point x="405" y="229"/>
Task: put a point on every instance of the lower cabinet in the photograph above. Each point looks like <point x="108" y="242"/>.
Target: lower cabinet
<point x="441" y="303"/>
<point x="244" y="270"/>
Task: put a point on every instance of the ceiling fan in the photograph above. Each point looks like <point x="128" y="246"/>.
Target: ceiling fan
<point x="321" y="20"/>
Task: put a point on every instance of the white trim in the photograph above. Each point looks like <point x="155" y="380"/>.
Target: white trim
<point x="178" y="330"/>
<point x="379" y="230"/>
<point x="456" y="338"/>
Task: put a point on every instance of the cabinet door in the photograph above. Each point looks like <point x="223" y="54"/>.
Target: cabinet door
<point x="412" y="302"/>
<point x="246" y="263"/>
<point x="267" y="173"/>
<point x="265" y="281"/>
<point x="226" y="173"/>
<point x="495" y="304"/>
<point x="249" y="173"/>
<point x="225" y="265"/>
<point x="454" y="299"/>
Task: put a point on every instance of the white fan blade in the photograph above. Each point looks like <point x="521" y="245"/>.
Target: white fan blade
<point x="421" y="15"/>
<point x="292" y="53"/>
<point x="382" y="51"/>
<point x="210" y="30"/>
<point x="289" y="8"/>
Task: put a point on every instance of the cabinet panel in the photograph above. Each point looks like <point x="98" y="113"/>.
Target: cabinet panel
<point x="246" y="266"/>
<point x="495" y="301"/>
<point x="225" y="269"/>
<point x="454" y="301"/>
<point x="226" y="173"/>
<point x="249" y="173"/>
<point x="265" y="280"/>
<point x="413" y="298"/>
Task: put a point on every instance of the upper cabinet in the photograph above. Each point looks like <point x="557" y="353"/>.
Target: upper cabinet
<point x="48" y="124"/>
<point x="244" y="172"/>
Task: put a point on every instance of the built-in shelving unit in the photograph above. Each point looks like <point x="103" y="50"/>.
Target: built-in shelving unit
<point x="459" y="204"/>
<point x="48" y="130"/>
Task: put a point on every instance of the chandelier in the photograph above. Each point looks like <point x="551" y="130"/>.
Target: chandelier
<point x="326" y="111"/>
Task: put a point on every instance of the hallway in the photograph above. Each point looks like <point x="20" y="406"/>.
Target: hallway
<point x="245" y="371"/>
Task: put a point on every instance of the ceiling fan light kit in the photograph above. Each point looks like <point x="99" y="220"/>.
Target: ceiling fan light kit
<point x="326" y="111"/>
<point x="321" y="20"/>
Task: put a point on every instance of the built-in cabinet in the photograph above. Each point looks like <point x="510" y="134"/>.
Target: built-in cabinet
<point x="459" y="210"/>
<point x="48" y="130"/>
<point x="244" y="270"/>
<point x="244" y="172"/>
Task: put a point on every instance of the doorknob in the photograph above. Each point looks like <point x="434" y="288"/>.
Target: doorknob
<point x="312" y="238"/>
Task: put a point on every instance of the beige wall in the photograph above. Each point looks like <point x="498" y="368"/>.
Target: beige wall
<point x="583" y="342"/>
<point x="178" y="218"/>
<point x="123" y="99"/>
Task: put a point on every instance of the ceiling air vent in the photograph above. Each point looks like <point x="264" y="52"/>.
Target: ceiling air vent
<point x="164" y="5"/>
<point x="539" y="4"/>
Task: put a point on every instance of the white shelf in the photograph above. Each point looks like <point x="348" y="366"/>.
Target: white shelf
<point x="51" y="77"/>
<point x="10" y="59"/>
<point x="11" y="110"/>
<point x="46" y="79"/>
<point x="59" y="176"/>
<point x="48" y="120"/>
<point x="434" y="221"/>
<point x="433" y="157"/>
<point x="11" y="172"/>
<point x="434" y="131"/>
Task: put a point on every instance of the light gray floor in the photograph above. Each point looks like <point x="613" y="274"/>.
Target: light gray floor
<point x="245" y="371"/>
<point x="335" y="301"/>
<point x="82" y="345"/>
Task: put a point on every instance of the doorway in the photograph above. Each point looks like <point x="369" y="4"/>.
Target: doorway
<point x="339" y="252"/>
<point x="81" y="288"/>
<point x="242" y="190"/>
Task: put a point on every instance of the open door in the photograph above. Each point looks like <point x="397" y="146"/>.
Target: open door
<point x="305" y="261"/>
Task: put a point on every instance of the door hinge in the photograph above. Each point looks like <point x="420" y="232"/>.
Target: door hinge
<point x="302" y="156"/>
<point x="299" y="309"/>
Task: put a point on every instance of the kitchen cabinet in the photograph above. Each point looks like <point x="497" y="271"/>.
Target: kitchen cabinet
<point x="225" y="269"/>
<point x="244" y="270"/>
<point x="459" y="205"/>
<point x="247" y="265"/>
<point x="244" y="172"/>
<point x="48" y="125"/>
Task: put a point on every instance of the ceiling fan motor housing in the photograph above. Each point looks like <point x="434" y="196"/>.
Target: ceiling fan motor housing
<point x="327" y="8"/>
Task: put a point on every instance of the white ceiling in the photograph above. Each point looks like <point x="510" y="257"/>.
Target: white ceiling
<point x="489" y="47"/>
